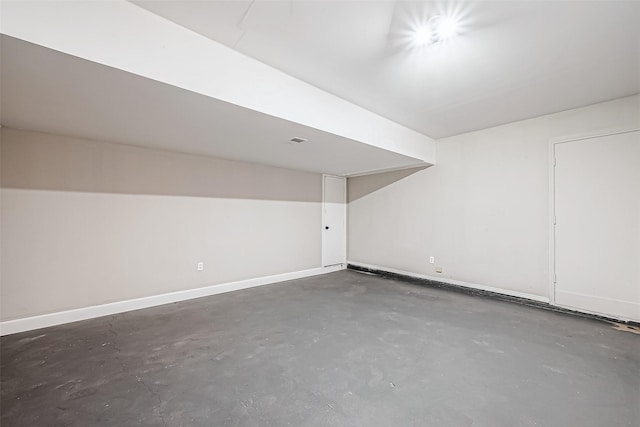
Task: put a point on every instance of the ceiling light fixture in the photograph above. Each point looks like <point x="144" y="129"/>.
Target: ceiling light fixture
<point x="437" y="29"/>
<point x="298" y="140"/>
<point x="446" y="27"/>
<point x="423" y="36"/>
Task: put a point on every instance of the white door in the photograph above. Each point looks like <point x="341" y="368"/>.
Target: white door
<point x="334" y="221"/>
<point x="597" y="231"/>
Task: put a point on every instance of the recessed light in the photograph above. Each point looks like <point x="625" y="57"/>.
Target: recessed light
<point x="437" y="29"/>
<point x="445" y="28"/>
<point x="298" y="140"/>
<point x="422" y="36"/>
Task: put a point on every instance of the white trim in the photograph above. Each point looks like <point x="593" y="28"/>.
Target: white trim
<point x="552" y="214"/>
<point x="552" y="197"/>
<point x="609" y="307"/>
<point x="593" y="134"/>
<point x="42" y="321"/>
<point x="454" y="282"/>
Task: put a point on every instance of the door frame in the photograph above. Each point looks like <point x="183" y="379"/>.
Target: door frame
<point x="552" y="192"/>
<point x="323" y="222"/>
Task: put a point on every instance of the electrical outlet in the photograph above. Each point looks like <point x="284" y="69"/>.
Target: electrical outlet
<point x="200" y="266"/>
<point x="432" y="260"/>
<point x="438" y="269"/>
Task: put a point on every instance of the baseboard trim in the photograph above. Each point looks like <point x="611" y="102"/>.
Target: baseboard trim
<point x="458" y="283"/>
<point x="475" y="289"/>
<point x="600" y="306"/>
<point x="15" y="326"/>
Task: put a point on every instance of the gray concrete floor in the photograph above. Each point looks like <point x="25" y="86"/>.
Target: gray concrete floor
<point x="343" y="349"/>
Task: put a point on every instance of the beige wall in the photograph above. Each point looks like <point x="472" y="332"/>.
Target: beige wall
<point x="482" y="210"/>
<point x="86" y="223"/>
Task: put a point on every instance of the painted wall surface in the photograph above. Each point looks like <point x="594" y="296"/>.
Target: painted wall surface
<point x="482" y="211"/>
<point x="86" y="223"/>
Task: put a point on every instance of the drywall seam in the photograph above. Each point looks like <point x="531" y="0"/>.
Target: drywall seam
<point x="9" y="327"/>
<point x="393" y="169"/>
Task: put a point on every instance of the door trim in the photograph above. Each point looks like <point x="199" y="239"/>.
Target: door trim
<point x="552" y="192"/>
<point x="344" y="231"/>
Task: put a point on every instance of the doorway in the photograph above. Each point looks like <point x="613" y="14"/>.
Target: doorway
<point x="596" y="224"/>
<point x="334" y="220"/>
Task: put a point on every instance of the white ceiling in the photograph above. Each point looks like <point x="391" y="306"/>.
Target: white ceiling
<point x="514" y="59"/>
<point x="48" y="91"/>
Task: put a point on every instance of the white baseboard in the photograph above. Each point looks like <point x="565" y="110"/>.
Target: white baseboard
<point x="453" y="282"/>
<point x="600" y="306"/>
<point x="9" y="327"/>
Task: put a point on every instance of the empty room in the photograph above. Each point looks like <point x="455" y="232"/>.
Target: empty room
<point x="319" y="213"/>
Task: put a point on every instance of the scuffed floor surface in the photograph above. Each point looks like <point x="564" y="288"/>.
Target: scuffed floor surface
<point x="343" y="349"/>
